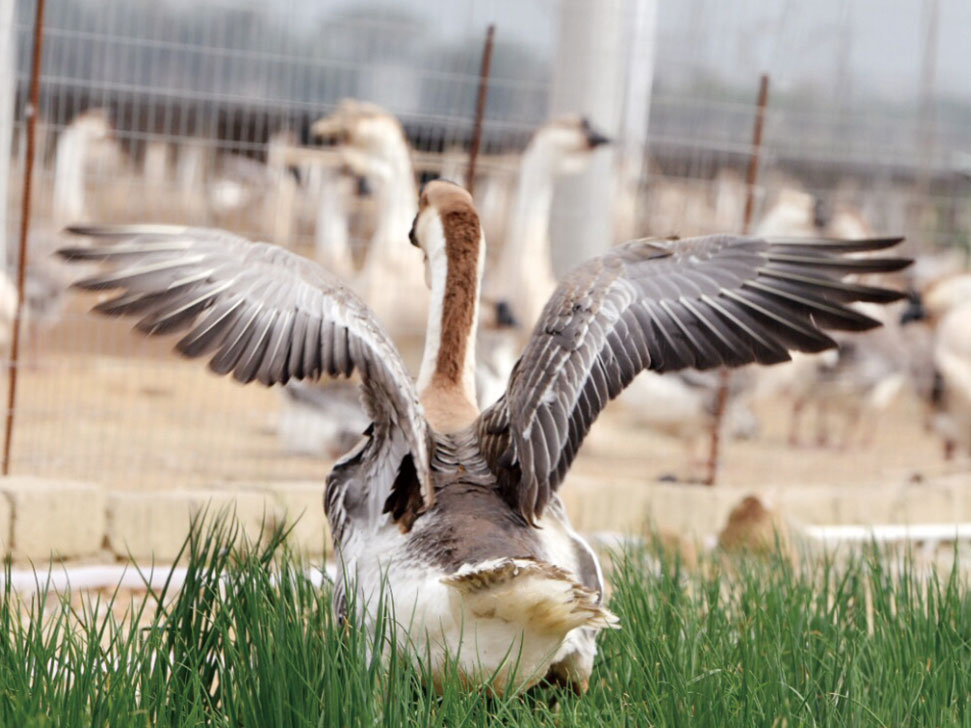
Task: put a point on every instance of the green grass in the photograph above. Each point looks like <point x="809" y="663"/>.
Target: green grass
<point x="249" y="641"/>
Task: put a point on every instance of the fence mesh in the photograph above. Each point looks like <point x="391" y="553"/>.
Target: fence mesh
<point x="183" y="103"/>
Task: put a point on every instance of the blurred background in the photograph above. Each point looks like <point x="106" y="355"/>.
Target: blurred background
<point x="203" y="113"/>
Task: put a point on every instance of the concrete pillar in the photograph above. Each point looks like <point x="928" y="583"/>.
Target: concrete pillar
<point x="641" y="43"/>
<point x="8" y="80"/>
<point x="591" y="77"/>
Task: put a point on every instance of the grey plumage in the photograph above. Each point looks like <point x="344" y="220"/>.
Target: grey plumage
<point x="664" y="305"/>
<point x="259" y="312"/>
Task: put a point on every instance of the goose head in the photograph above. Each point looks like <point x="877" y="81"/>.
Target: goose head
<point x="93" y="125"/>
<point x="942" y="296"/>
<point x="446" y="228"/>
<point x="567" y="143"/>
<point x="371" y="139"/>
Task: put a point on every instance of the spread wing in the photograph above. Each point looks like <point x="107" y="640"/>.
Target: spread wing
<point x="664" y="305"/>
<point x="261" y="313"/>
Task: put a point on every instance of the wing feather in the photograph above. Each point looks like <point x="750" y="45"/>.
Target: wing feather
<point x="665" y="305"/>
<point x="261" y="313"/>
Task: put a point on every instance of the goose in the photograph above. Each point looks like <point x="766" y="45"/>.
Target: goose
<point x="524" y="276"/>
<point x="332" y="191"/>
<point x="78" y="145"/>
<point x="85" y="143"/>
<point x="374" y="146"/>
<point x="280" y="202"/>
<point x="946" y="306"/>
<point x="447" y="516"/>
<point x="860" y="378"/>
<point x="524" y="273"/>
<point x="317" y="418"/>
<point x="321" y="420"/>
<point x="683" y="405"/>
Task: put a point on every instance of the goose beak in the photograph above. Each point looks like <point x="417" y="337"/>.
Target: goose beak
<point x="915" y="310"/>
<point x="594" y="137"/>
<point x="412" y="236"/>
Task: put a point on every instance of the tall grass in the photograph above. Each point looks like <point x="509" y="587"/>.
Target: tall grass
<point x="250" y="641"/>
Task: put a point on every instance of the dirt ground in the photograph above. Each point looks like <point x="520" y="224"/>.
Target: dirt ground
<point x="98" y="403"/>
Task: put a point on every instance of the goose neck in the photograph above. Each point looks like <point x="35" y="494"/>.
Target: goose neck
<point x="526" y="252"/>
<point x="446" y="380"/>
<point x="397" y="197"/>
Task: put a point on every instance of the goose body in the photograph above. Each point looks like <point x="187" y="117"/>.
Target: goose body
<point x="470" y="581"/>
<point x="449" y="516"/>
<point x="946" y="306"/>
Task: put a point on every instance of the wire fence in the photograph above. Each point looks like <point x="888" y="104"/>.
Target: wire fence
<point x="181" y="105"/>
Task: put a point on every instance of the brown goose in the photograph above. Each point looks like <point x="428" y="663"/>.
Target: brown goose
<point x="453" y="515"/>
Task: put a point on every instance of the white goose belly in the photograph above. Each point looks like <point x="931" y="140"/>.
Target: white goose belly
<point x="502" y="621"/>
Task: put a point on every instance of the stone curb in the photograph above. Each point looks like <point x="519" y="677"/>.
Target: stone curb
<point x="695" y="511"/>
<point x="42" y="518"/>
<point x="52" y="518"/>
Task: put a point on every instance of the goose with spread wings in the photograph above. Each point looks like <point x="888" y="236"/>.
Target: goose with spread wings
<point x="448" y="516"/>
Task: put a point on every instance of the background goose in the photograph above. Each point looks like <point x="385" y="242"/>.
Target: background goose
<point x="324" y="419"/>
<point x="524" y="272"/>
<point x="946" y="307"/>
<point x="683" y="405"/>
<point x="864" y="374"/>
<point x="86" y="145"/>
<point x="374" y="146"/>
<point x="332" y="191"/>
<point x="452" y="514"/>
<point x="524" y="278"/>
<point x="85" y="142"/>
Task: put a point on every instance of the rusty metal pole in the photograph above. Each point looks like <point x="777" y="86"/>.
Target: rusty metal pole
<point x="752" y="174"/>
<point x="30" y="116"/>
<point x="751" y="178"/>
<point x="480" y="104"/>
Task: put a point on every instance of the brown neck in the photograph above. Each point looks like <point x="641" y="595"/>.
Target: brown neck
<point x="447" y="378"/>
<point x="461" y="297"/>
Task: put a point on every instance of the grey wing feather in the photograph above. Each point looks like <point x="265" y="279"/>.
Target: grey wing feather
<point x="665" y="305"/>
<point x="258" y="312"/>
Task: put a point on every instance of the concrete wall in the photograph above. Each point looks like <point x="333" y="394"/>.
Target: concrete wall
<point x="44" y="518"/>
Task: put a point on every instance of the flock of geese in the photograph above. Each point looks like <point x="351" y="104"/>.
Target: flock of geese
<point x="446" y="509"/>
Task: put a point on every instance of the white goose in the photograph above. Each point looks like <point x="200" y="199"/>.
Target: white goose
<point x="450" y="514"/>
<point x="946" y="306"/>
<point x="78" y="145"/>
<point x="524" y="274"/>
<point x="864" y="375"/>
<point x="375" y="147"/>
<point x="86" y="143"/>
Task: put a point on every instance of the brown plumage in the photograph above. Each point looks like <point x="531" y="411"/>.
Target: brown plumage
<point x="462" y="234"/>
